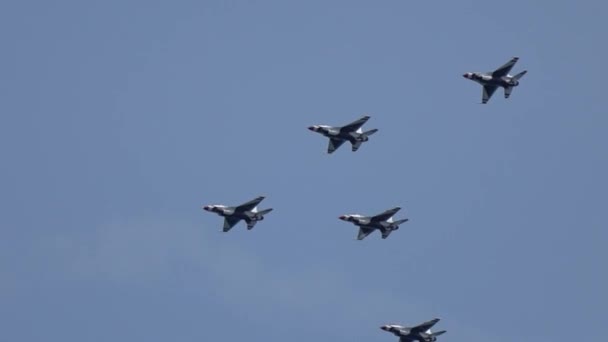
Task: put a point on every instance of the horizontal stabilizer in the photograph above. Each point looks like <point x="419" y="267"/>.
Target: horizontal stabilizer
<point x="251" y="224"/>
<point x="264" y="212"/>
<point x="386" y="233"/>
<point x="439" y="333"/>
<point x="398" y="222"/>
<point x="520" y="75"/>
<point x="370" y="132"/>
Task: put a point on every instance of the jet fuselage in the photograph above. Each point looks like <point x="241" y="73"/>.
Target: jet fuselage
<point x="419" y="333"/>
<point x="336" y="133"/>
<point x="231" y="212"/>
<point x="363" y="221"/>
<point x="396" y="330"/>
<point x="486" y="79"/>
<point x="404" y="333"/>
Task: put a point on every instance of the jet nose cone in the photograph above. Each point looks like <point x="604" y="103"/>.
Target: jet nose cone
<point x="342" y="217"/>
<point x="312" y="128"/>
<point x="465" y="75"/>
<point x="384" y="327"/>
<point x="207" y="207"/>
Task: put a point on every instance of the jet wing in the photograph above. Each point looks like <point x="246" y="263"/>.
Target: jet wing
<point x="424" y="326"/>
<point x="248" y="206"/>
<point x="488" y="91"/>
<point x="363" y="232"/>
<point x="385" y="215"/>
<point x="355" y="125"/>
<point x="334" y="144"/>
<point x="230" y="222"/>
<point x="504" y="70"/>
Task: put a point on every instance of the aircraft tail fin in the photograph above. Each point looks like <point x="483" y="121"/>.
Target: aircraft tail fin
<point x="520" y="75"/>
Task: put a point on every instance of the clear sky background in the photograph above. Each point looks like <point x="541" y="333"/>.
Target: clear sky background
<point x="120" y="119"/>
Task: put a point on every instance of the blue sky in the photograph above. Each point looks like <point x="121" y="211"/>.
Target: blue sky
<point x="121" y="118"/>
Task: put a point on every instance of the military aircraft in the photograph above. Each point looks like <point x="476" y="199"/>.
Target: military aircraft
<point x="497" y="78"/>
<point x="384" y="222"/>
<point x="420" y="333"/>
<point x="338" y="135"/>
<point x="246" y="211"/>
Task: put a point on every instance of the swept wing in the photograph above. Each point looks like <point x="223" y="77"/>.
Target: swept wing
<point x="424" y="326"/>
<point x="385" y="215"/>
<point x="504" y="70"/>
<point x="488" y="91"/>
<point x="334" y="144"/>
<point x="248" y="206"/>
<point x="229" y="222"/>
<point x="355" y="125"/>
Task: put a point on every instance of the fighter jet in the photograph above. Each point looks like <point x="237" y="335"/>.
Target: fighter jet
<point x="420" y="333"/>
<point x="338" y="135"/>
<point x="384" y="222"/>
<point x="497" y="78"/>
<point x="246" y="211"/>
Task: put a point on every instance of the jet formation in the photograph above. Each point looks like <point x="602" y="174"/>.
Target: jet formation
<point x="367" y="224"/>
<point x="340" y="134"/>
<point x="352" y="132"/>
<point x="419" y="333"/>
<point x="247" y="211"/>
<point x="500" y="77"/>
